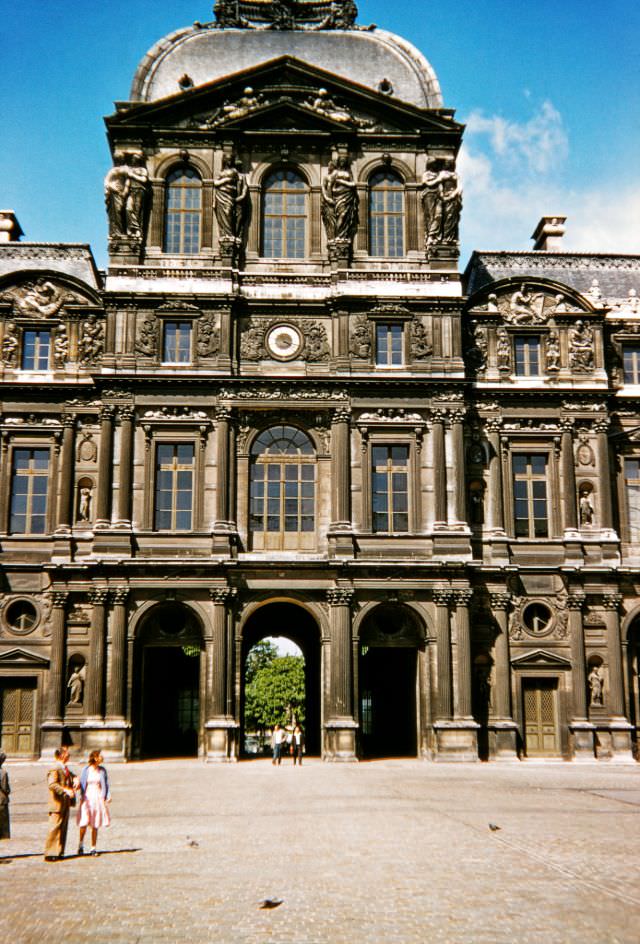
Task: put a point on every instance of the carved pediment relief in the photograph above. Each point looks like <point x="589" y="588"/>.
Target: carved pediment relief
<point x="42" y="297"/>
<point x="540" y="658"/>
<point x="22" y="658"/>
<point x="529" y="302"/>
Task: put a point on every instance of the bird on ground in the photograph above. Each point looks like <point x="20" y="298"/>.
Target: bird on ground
<point x="271" y="902"/>
<point x="493" y="827"/>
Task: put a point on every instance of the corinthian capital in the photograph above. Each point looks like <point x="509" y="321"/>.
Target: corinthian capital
<point x="338" y="596"/>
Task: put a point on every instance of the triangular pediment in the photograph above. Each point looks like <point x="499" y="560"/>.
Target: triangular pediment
<point x="22" y="658"/>
<point x="541" y="658"/>
<point x="284" y="94"/>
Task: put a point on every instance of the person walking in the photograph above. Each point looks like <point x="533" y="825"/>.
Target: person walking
<point x="5" y="790"/>
<point x="277" y="741"/>
<point x="62" y="796"/>
<point x="95" y="795"/>
<point x="297" y="745"/>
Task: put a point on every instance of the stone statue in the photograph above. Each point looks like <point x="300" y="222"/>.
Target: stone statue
<point x="596" y="687"/>
<point x="520" y="306"/>
<point x="441" y="203"/>
<point x="84" y="505"/>
<point x="147" y="342"/>
<point x="226" y="14"/>
<point x="116" y="189"/>
<point x="42" y="299"/>
<point x="208" y="341"/>
<point x="552" y="353"/>
<point x="282" y="14"/>
<point x="76" y="685"/>
<point x="231" y="197"/>
<point x="247" y="102"/>
<point x="325" y="105"/>
<point x="340" y="202"/>
<point x="10" y="345"/>
<point x="361" y="338"/>
<point x="91" y="343"/>
<point x="451" y="202"/>
<point x="316" y="346"/>
<point x="503" y="351"/>
<point x="420" y="346"/>
<point x="125" y="193"/>
<point x="60" y="347"/>
<point x="581" y="347"/>
<point x="136" y="197"/>
<point x="586" y="507"/>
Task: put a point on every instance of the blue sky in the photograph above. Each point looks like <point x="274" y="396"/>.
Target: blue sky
<point x="550" y="93"/>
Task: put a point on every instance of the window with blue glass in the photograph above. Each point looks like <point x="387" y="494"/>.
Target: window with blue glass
<point x="284" y="215"/>
<point x="531" y="516"/>
<point x="389" y="345"/>
<point x="527" y="353"/>
<point x="176" y="345"/>
<point x="183" y="211"/>
<point x="390" y="488"/>
<point x="631" y="363"/>
<point x="283" y="483"/>
<point x="36" y="349"/>
<point x="386" y="214"/>
<point x="29" y="487"/>
<point x="632" y="495"/>
<point x="174" y="486"/>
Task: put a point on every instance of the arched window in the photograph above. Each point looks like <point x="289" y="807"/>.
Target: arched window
<point x="386" y="214"/>
<point x="283" y="484"/>
<point x="284" y="215"/>
<point x="183" y="211"/>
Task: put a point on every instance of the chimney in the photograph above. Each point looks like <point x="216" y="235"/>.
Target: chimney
<point x="548" y="233"/>
<point x="10" y="229"/>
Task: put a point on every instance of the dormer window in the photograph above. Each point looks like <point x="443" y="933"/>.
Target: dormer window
<point x="36" y="347"/>
<point x="284" y="215"/>
<point x="386" y="214"/>
<point x="527" y="352"/>
<point x="183" y="211"/>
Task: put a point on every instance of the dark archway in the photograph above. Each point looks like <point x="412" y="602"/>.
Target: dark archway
<point x="633" y="676"/>
<point x="297" y="624"/>
<point x="390" y="640"/>
<point x="168" y="658"/>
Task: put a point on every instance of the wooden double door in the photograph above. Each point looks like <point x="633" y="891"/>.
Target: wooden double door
<point x="17" y="716"/>
<point x="540" y="705"/>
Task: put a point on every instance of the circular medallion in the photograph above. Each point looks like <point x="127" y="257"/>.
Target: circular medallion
<point x="284" y="342"/>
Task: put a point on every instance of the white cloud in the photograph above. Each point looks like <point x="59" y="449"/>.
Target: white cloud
<point x="536" y="145"/>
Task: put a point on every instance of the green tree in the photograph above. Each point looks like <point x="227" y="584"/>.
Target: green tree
<point x="260" y="656"/>
<point x="275" y="691"/>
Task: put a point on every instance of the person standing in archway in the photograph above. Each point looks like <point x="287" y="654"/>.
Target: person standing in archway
<point x="297" y="745"/>
<point x="277" y="741"/>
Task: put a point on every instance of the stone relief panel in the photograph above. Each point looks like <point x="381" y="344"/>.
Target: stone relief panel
<point x="147" y="340"/>
<point x="528" y="305"/>
<point x="41" y="298"/>
<point x="207" y="336"/>
<point x="537" y="618"/>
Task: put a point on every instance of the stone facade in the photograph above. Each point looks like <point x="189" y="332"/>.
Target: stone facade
<point x="283" y="410"/>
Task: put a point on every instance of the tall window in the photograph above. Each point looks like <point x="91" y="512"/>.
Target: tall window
<point x="174" y="486"/>
<point x="176" y="343"/>
<point x="390" y="488"/>
<point x="632" y="490"/>
<point x="389" y="345"/>
<point x="530" y="496"/>
<point x="283" y="473"/>
<point x="527" y="351"/>
<point x="29" y="482"/>
<point x="36" y="346"/>
<point x="284" y="215"/>
<point x="631" y="362"/>
<point x="386" y="214"/>
<point x="183" y="211"/>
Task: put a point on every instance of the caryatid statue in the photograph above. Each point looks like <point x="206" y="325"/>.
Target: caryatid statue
<point x="125" y="193"/>
<point x="231" y="203"/>
<point x="116" y="189"/>
<point x="441" y="203"/>
<point x="136" y="196"/>
<point x="339" y="207"/>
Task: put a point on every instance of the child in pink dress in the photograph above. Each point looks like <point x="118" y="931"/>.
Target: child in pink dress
<point x="95" y="795"/>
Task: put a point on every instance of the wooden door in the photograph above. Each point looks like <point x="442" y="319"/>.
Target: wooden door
<point x="541" y="717"/>
<point x="17" y="710"/>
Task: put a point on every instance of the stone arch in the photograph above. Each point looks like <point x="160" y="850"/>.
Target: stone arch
<point x="170" y="162"/>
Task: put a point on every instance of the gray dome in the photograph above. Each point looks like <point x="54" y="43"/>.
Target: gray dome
<point x="363" y="56"/>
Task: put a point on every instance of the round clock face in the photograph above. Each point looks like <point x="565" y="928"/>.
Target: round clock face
<point x="284" y="342"/>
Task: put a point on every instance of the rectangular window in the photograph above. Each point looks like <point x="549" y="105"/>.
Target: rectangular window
<point x="530" y="496"/>
<point x="527" y="351"/>
<point x="174" y="486"/>
<point x="176" y="346"/>
<point x="389" y="345"/>
<point x="631" y="362"/>
<point x="390" y="488"/>
<point x="632" y="491"/>
<point x="35" y="350"/>
<point x="29" y="484"/>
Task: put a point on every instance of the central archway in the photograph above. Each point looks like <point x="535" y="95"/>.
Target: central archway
<point x="168" y="660"/>
<point x="293" y="622"/>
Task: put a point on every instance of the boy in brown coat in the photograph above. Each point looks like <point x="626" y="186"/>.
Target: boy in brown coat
<point x="62" y="797"/>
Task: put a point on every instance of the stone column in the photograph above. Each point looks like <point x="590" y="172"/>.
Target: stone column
<point x="223" y="419"/>
<point x="439" y="470"/>
<point x="65" y="498"/>
<point x="441" y="598"/>
<point x="95" y="673"/>
<point x="618" y="725"/>
<point x="220" y="726"/>
<point x="58" y="666"/>
<point x="604" y="467"/>
<point x="581" y="729"/>
<point x="341" y="470"/>
<point x="116" y="699"/>
<point x="105" y="465"/>
<point x="340" y="727"/>
<point x="503" y="729"/>
<point x="569" y="502"/>
<point x="496" y="505"/>
<point x="462" y="599"/>
<point x="125" y="466"/>
<point x="458" y="471"/>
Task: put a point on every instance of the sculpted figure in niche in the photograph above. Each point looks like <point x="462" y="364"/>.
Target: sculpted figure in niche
<point x="596" y="687"/>
<point x="76" y="685"/>
<point x="553" y="353"/>
<point x="147" y="342"/>
<point x="581" y="347"/>
<point x="231" y="195"/>
<point x="503" y="351"/>
<point x="116" y="189"/>
<point x="84" y="504"/>
<point x="10" y="345"/>
<point x="586" y="507"/>
<point x="91" y="342"/>
<point x="340" y="202"/>
<point x="60" y="347"/>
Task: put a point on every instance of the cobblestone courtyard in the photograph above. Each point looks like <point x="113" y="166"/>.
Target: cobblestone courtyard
<point x="394" y="851"/>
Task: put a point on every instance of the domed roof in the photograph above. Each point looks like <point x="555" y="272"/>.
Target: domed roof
<point x="364" y="56"/>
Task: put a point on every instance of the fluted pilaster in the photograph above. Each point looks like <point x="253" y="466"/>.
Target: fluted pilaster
<point x="65" y="498"/>
<point x="500" y="603"/>
<point x="118" y="654"/>
<point x="97" y="642"/>
<point x="575" y="604"/>
<point x="105" y="466"/>
<point x="341" y="695"/>
<point x="611" y="603"/>
<point x="341" y="470"/>
<point x="442" y="599"/>
<point x="439" y="470"/>
<point x="125" y="466"/>
<point x="57" y="668"/>
<point x="462" y="599"/>
<point x="569" y="502"/>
